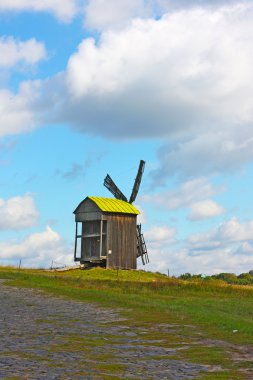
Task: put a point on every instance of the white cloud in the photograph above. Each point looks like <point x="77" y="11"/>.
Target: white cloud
<point x="226" y="248"/>
<point x="116" y="14"/>
<point x="233" y="230"/>
<point x="160" y="235"/>
<point x="18" y="213"/>
<point x="17" y="114"/>
<point x="229" y="232"/>
<point x="111" y="14"/>
<point x="205" y="209"/>
<point x="186" y="78"/>
<point x="158" y="239"/>
<point x="14" y="51"/>
<point x="221" y="260"/>
<point x="190" y="192"/>
<point x="226" y="150"/>
<point x="64" y="10"/>
<point x="172" y="5"/>
<point x="192" y="70"/>
<point x="38" y="249"/>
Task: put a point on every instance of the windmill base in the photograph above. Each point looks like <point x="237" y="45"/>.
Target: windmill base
<point x="93" y="264"/>
<point x="84" y="264"/>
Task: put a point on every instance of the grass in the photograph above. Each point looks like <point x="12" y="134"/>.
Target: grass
<point x="197" y="311"/>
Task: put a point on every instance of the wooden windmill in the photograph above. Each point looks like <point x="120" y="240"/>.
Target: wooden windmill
<point x="110" y="235"/>
<point x="113" y="188"/>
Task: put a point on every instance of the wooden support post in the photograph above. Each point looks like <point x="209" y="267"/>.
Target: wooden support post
<point x="101" y="237"/>
<point x="76" y="240"/>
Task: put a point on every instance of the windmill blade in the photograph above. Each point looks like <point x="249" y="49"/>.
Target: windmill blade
<point x="137" y="182"/>
<point x="113" y="188"/>
<point x="141" y="246"/>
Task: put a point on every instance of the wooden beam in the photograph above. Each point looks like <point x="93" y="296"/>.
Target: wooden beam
<point x="101" y="237"/>
<point x="76" y="240"/>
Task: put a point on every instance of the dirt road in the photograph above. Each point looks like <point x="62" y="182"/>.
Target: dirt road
<point x="45" y="337"/>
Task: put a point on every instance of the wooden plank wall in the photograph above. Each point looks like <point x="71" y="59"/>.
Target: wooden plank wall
<point x="87" y="210"/>
<point x="121" y="240"/>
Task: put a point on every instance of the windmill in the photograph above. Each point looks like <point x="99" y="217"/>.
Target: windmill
<point x="113" y="188"/>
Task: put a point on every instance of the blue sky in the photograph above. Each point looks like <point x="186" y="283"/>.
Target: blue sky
<point x="91" y="87"/>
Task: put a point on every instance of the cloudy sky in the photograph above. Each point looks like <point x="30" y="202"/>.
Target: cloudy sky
<point x="89" y="87"/>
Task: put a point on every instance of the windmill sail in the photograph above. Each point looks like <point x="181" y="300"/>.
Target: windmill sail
<point x="141" y="246"/>
<point x="113" y="188"/>
<point x="137" y="182"/>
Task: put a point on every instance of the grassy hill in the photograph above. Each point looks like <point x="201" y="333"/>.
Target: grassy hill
<point x="213" y="318"/>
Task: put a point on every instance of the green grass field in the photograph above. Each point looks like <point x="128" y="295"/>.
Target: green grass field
<point x="214" y="318"/>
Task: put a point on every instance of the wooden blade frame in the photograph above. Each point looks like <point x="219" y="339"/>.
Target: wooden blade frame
<point x="141" y="246"/>
<point x="137" y="182"/>
<point x="113" y="188"/>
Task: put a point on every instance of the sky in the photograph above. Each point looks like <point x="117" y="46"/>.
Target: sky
<point x="90" y="87"/>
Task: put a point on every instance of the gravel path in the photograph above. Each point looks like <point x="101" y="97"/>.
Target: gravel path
<point x="44" y="337"/>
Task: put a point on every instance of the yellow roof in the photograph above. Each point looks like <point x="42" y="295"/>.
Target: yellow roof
<point x="114" y="205"/>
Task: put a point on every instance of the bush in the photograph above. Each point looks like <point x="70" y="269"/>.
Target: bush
<point x="230" y="278"/>
<point x="185" y="276"/>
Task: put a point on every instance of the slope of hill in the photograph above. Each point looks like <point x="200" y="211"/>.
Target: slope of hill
<point x="202" y="322"/>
